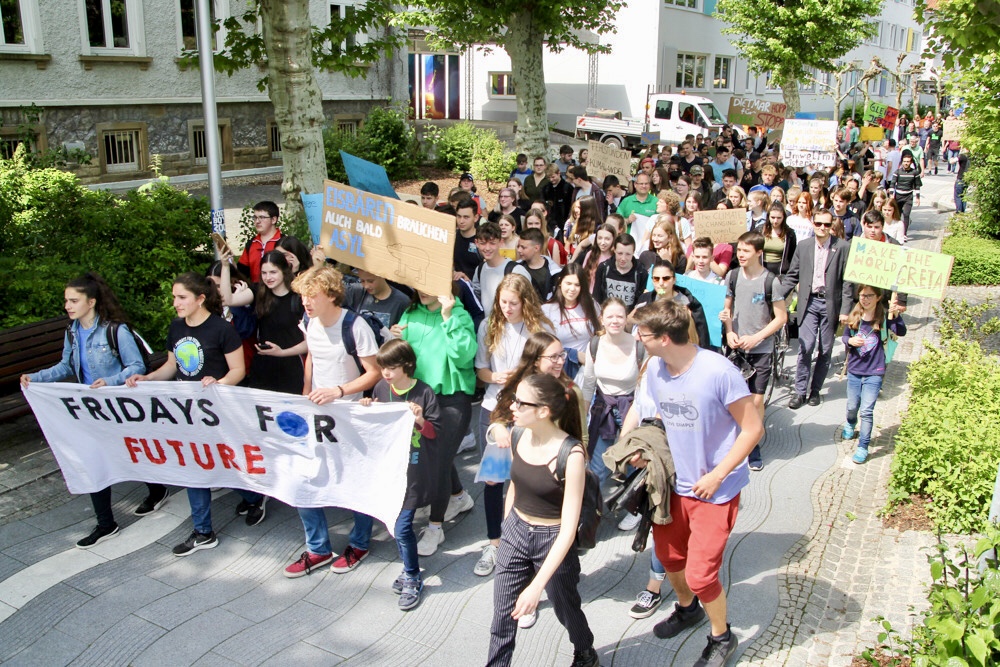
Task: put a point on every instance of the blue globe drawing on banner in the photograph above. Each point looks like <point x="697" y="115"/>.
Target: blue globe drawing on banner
<point x="188" y="355"/>
<point x="292" y="424"/>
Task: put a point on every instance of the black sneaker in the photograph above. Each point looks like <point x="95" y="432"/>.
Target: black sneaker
<point x="196" y="542"/>
<point x="151" y="504"/>
<point x="757" y="465"/>
<point x="586" y="658"/>
<point x="256" y="513"/>
<point x="679" y="621"/>
<point x="645" y="604"/>
<point x="97" y="536"/>
<point x="717" y="653"/>
<point x="242" y="508"/>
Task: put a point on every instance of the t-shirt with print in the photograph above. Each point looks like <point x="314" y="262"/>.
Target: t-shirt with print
<point x="201" y="351"/>
<point x="466" y="255"/>
<point x="503" y="359"/>
<point x="422" y="463"/>
<point x="694" y="408"/>
<point x="751" y="312"/>
<point x="573" y="329"/>
<point x="332" y="366"/>
<point x="387" y="311"/>
<point x="627" y="286"/>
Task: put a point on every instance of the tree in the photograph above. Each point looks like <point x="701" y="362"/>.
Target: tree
<point x="789" y="37"/>
<point x="868" y="75"/>
<point x="901" y="76"/>
<point x="523" y="30"/>
<point x="291" y="48"/>
<point x="961" y="30"/>
<point x="836" y="89"/>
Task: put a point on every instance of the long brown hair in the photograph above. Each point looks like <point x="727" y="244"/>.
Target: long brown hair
<point x="673" y="243"/>
<point x="534" y="348"/>
<point x="552" y="394"/>
<point x="264" y="299"/>
<point x="594" y="256"/>
<point x="531" y="310"/>
<point x="854" y="319"/>
<point x="588" y="221"/>
<point x="202" y="286"/>
<point x="106" y="304"/>
<point x="585" y="300"/>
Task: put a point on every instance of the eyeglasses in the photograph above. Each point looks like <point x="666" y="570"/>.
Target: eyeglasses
<point x="558" y="356"/>
<point x="658" y="279"/>
<point x="644" y="336"/>
<point x="518" y="404"/>
<point x="817" y="223"/>
<point x="867" y="296"/>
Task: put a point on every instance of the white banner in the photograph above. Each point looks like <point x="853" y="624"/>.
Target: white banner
<point x="809" y="142"/>
<point x="179" y="433"/>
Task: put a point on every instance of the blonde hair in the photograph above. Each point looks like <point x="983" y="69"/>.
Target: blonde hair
<point x="759" y="197"/>
<point x="743" y="196"/>
<point x="320" y="280"/>
<point x="531" y="310"/>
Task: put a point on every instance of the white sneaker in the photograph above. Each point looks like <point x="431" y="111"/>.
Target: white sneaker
<point x="527" y="620"/>
<point x="629" y="522"/>
<point x="430" y="538"/>
<point x="486" y="563"/>
<point x="468" y="442"/>
<point x="458" y="504"/>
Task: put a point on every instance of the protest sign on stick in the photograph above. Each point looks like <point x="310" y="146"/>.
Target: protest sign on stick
<point x="603" y="160"/>
<point x="808" y="142"/>
<point x="761" y="113"/>
<point x="898" y="268"/>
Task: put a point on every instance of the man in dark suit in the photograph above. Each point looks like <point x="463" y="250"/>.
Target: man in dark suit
<point x="824" y="300"/>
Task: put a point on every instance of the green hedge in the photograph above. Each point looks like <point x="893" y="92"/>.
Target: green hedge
<point x="977" y="260"/>
<point x="53" y="229"/>
<point x="386" y="137"/>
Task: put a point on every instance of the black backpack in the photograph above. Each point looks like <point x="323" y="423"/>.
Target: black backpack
<point x="145" y="351"/>
<point x="347" y="333"/>
<point x="768" y="287"/>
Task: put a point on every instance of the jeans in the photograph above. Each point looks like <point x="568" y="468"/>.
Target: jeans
<point x="596" y="463"/>
<point x="201" y="506"/>
<point x="815" y="334"/>
<point x="406" y="541"/>
<point x="862" y="392"/>
<point x="948" y="155"/>
<point x="318" y="532"/>
<point x="656" y="569"/>
<point x="959" y="196"/>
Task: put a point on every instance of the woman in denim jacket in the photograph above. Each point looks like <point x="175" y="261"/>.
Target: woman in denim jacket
<point x="92" y="307"/>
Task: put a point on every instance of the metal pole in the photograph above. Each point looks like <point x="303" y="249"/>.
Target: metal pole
<point x="213" y="147"/>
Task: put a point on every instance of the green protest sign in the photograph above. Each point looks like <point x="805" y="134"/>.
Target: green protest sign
<point x="899" y="269"/>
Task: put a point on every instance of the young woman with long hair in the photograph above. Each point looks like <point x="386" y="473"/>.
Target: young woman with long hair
<point x="574" y="314"/>
<point x="779" y="240"/>
<point x="800" y="221"/>
<point x="583" y="228"/>
<point x="296" y="253"/>
<point x="893" y="217"/>
<point x="738" y="197"/>
<point x="664" y="244"/>
<point x="601" y="251"/>
<point x="508" y="237"/>
<point x="95" y="314"/>
<point x="203" y="347"/>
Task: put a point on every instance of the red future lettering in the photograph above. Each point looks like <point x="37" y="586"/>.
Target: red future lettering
<point x="204" y="454"/>
<point x="252" y="454"/>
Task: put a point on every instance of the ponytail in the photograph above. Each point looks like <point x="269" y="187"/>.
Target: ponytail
<point x="560" y="400"/>
<point x="202" y="286"/>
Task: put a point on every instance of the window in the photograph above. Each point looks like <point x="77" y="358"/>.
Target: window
<point x="189" y="23"/>
<point x="199" y="142"/>
<point x="19" y="26"/>
<point x="663" y="109"/>
<point x="13" y="25"/>
<point x="687" y="4"/>
<point x="340" y="13"/>
<point x="274" y="139"/>
<point x="502" y="85"/>
<point x="722" y="79"/>
<point x="690" y="71"/>
<point x="114" y="26"/>
<point x="347" y="125"/>
<point x="122" y="147"/>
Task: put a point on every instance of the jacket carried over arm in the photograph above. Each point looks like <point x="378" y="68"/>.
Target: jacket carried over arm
<point x="650" y="441"/>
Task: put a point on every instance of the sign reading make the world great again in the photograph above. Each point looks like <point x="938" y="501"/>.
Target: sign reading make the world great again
<point x="899" y="269"/>
<point x="388" y="237"/>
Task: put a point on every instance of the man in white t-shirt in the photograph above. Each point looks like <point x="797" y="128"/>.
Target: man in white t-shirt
<point x="701" y="261"/>
<point x="494" y="267"/>
<point x="332" y="373"/>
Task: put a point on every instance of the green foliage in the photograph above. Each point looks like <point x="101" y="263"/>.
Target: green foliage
<point x="465" y="147"/>
<point x="965" y="321"/>
<point x="959" y="629"/>
<point x="977" y="260"/>
<point x="30" y="118"/>
<point x="983" y="195"/>
<point x="946" y="444"/>
<point x="387" y="137"/>
<point x="960" y="30"/>
<point x="54" y="229"/>
<point x="452" y="145"/>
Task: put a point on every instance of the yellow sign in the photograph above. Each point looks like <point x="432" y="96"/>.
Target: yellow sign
<point x="723" y="226"/>
<point x="872" y="134"/>
<point x="603" y="160"/>
<point x="388" y="237"/>
<point x="899" y="269"/>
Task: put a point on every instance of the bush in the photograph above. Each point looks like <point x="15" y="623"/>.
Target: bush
<point x="386" y="137"/>
<point x="453" y="145"/>
<point x="983" y="196"/>
<point x="465" y="147"/>
<point x="54" y="229"/>
<point x="977" y="260"/>
<point x="946" y="445"/>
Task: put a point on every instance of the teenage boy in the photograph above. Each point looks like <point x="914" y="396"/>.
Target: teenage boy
<point x="768" y="175"/>
<point x="429" y="193"/>
<point x="751" y="171"/>
<point x="466" y="254"/>
<point x="495" y="266"/>
<point x="614" y="193"/>
<point x="824" y="300"/>
<point x="724" y="160"/>
<point x="265" y="221"/>
<point x="729" y="178"/>
<point x="541" y="268"/>
<point x="699" y="185"/>
<point x="701" y="261"/>
<point x="841" y="198"/>
<point x="331" y="374"/>
<point x="621" y="276"/>
<point x="522" y="171"/>
<point x="372" y="294"/>
<point x="709" y="453"/>
<point x="565" y="160"/>
<point x="583" y="186"/>
<point x="754" y="311"/>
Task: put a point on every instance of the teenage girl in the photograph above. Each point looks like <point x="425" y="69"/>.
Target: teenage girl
<point x="604" y="250"/>
<point x="575" y="315"/>
<point x="553" y="247"/>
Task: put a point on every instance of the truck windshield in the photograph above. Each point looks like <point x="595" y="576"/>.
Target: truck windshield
<point x="713" y="115"/>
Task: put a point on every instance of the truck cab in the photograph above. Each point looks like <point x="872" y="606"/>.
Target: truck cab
<point x="675" y="116"/>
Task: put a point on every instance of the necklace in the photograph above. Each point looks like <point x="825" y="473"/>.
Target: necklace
<point x="510" y="356"/>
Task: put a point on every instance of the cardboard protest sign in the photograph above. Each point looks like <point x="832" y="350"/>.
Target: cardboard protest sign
<point x="179" y="433"/>
<point x="953" y="130"/>
<point x="603" y="160"/>
<point x="899" y="269"/>
<point x="723" y="226"/>
<point x="871" y="134"/>
<point x="367" y="176"/>
<point x="762" y="113"/>
<point x="388" y="237"/>
<point x="808" y="142"/>
<point x="712" y="298"/>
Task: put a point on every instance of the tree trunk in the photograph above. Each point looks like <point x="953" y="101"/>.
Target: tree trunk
<point x="838" y="99"/>
<point x="790" y="93"/>
<point x="524" y="44"/>
<point x="297" y="99"/>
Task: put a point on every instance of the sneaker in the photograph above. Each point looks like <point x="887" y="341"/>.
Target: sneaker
<point x="348" y="560"/>
<point x="527" y="620"/>
<point x="256" y="513"/>
<point x="629" y="522"/>
<point x="645" y="604"/>
<point x="242" y="508"/>
<point x="430" y="538"/>
<point x="151" y="504"/>
<point x="196" y="542"/>
<point x="586" y="658"/>
<point x="458" y="505"/>
<point x="717" y="653"/>
<point x="409" y="595"/>
<point x="796" y="401"/>
<point x="306" y="563"/>
<point x="468" y="443"/>
<point x="847" y="433"/>
<point x="678" y="621"/>
<point x="757" y="465"/>
<point x="860" y="455"/>
<point x="486" y="563"/>
<point x="97" y="536"/>
<point x="397" y="586"/>
<point x="814" y="399"/>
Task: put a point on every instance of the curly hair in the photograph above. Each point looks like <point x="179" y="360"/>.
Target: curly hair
<point x="320" y="280"/>
<point x="531" y="310"/>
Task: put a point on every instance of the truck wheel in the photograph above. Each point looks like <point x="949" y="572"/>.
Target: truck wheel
<point x="613" y="142"/>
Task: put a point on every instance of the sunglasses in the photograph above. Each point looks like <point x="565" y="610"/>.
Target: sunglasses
<point x="823" y="224"/>
<point x="658" y="279"/>
<point x="518" y="404"/>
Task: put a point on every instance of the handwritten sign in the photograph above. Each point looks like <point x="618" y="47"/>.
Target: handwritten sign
<point x="953" y="130"/>
<point x="762" y="113"/>
<point x="880" y="114"/>
<point x="712" y="298"/>
<point x="724" y="226"/>
<point x="808" y="142"/>
<point x="604" y="160"/>
<point x="896" y="268"/>
<point x="388" y="237"/>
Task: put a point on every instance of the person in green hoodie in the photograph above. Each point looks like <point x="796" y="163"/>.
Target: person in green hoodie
<point x="441" y="333"/>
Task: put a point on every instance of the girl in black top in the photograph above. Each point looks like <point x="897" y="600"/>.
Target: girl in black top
<point x="537" y="550"/>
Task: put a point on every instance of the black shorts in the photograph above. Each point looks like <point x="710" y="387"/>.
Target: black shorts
<point x="762" y="365"/>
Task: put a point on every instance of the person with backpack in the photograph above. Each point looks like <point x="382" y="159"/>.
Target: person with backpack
<point x="537" y="550"/>
<point x="495" y="266"/>
<point x="100" y="349"/>
<point x="870" y="338"/>
<point x="333" y="372"/>
<point x="753" y="313"/>
<point x="265" y="220"/>
<point x="575" y="316"/>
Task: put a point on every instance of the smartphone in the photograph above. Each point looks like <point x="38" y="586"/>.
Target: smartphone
<point x="220" y="243"/>
<point x="265" y="345"/>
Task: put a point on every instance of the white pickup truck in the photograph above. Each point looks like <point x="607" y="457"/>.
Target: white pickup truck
<point x="673" y="115"/>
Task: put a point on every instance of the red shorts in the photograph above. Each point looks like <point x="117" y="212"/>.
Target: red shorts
<point x="695" y="541"/>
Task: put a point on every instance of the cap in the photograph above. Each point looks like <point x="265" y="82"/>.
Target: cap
<point x="466" y="177"/>
<point x="696" y="170"/>
<point x="754" y="156"/>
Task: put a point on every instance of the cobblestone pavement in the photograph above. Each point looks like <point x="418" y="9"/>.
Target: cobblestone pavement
<point x="806" y="568"/>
